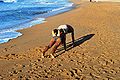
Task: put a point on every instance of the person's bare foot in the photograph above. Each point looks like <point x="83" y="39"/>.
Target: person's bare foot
<point x="42" y="56"/>
<point x="43" y="53"/>
<point x="52" y="56"/>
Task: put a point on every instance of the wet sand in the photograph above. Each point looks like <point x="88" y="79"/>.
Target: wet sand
<point x="96" y="55"/>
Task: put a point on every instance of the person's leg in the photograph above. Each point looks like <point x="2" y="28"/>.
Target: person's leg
<point x="64" y="42"/>
<point x="73" y="39"/>
<point x="51" y="43"/>
<point x="71" y="30"/>
<point x="56" y="45"/>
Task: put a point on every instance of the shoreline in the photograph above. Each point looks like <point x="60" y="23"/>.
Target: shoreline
<point x="95" y="56"/>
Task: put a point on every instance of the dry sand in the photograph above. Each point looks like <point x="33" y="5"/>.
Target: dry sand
<point x="96" y="55"/>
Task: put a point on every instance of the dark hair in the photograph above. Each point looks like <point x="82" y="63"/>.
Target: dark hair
<point x="55" y="31"/>
<point x="61" y="31"/>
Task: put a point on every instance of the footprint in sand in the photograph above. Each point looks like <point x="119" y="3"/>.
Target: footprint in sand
<point x="31" y="53"/>
<point x="8" y="48"/>
<point x="1" y="77"/>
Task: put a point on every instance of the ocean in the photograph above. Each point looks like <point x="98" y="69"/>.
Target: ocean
<point x="20" y="14"/>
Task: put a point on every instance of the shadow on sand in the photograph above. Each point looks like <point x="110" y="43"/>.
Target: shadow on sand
<point x="78" y="42"/>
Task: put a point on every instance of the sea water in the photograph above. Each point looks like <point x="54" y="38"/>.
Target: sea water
<point x="19" y="14"/>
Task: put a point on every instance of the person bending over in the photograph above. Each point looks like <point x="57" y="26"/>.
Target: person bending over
<point x="59" y="37"/>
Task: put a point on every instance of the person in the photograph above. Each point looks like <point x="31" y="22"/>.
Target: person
<point x="67" y="29"/>
<point x="59" y="37"/>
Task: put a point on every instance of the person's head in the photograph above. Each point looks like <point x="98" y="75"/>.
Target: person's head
<point x="56" y="32"/>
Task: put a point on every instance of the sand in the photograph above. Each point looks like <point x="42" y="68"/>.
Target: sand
<point x="96" y="55"/>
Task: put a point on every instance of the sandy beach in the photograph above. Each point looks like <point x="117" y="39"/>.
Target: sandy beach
<point x="96" y="55"/>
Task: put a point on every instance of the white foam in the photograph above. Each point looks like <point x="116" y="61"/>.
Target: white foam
<point x="66" y="6"/>
<point x="6" y="35"/>
<point x="9" y="0"/>
<point x="5" y="38"/>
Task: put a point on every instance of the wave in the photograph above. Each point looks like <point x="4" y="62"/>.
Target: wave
<point x="34" y="1"/>
<point x="6" y="36"/>
<point x="22" y="25"/>
<point x="8" y="1"/>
